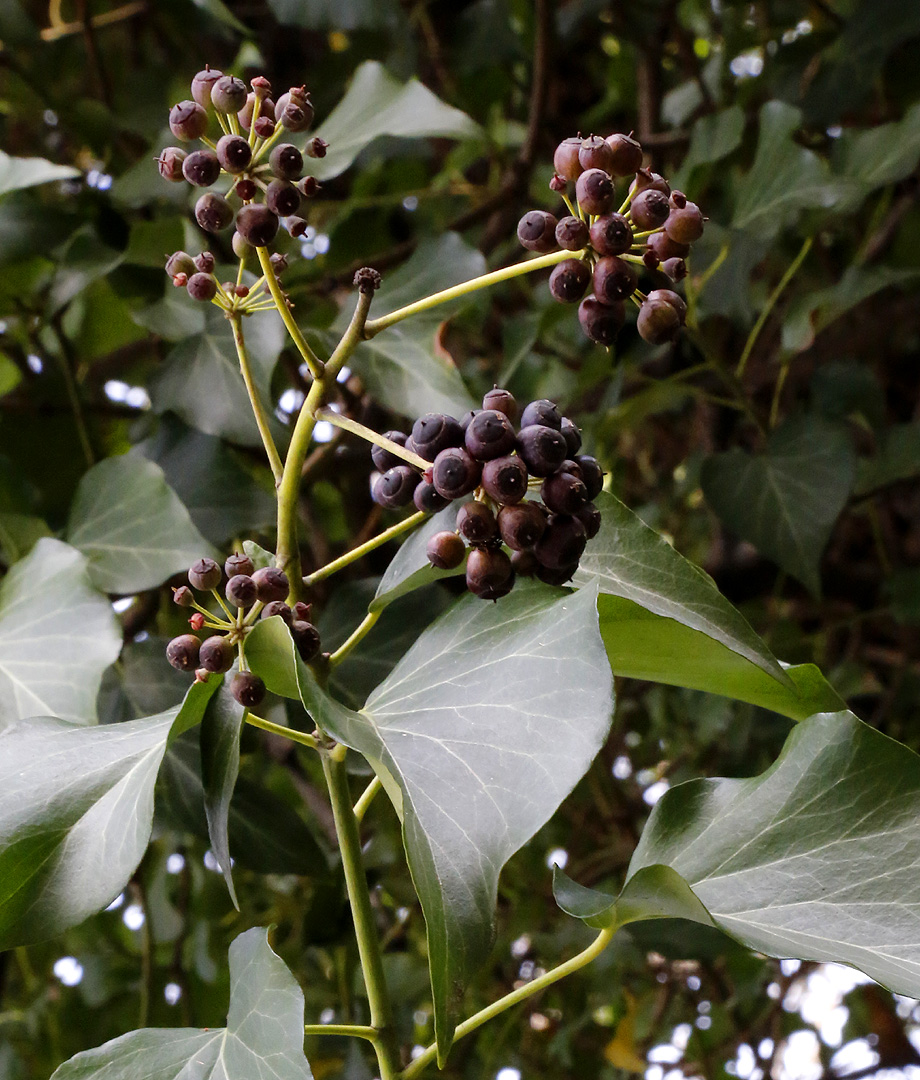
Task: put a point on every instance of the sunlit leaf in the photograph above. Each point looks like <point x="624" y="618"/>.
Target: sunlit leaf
<point x="17" y="172"/>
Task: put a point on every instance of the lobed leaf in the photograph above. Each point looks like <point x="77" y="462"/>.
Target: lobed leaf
<point x="221" y="727"/>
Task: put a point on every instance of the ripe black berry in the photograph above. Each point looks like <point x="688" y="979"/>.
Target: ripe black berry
<point x="213" y="213"/>
<point x="240" y="590"/>
<point x="455" y="473"/>
<point x="590" y="517"/>
<point x="201" y="287"/>
<point x="564" y="492"/>
<point x="233" y="152"/>
<point x="182" y="652"/>
<point x="426" y="498"/>
<point x="394" y="488"/>
<point x="188" y="120"/>
<point x="649" y="209"/>
<point x="611" y="234"/>
<point x="565" y="158"/>
<point x="552" y="576"/>
<point x="658" y="322"/>
<point x="594" y="191"/>
<point x="571" y="233"/>
<point x="568" y="281"/>
<point x="524" y="563"/>
<point x="563" y="542"/>
<point x="614" y="279"/>
<point x="626" y="155"/>
<point x="306" y="638"/>
<point x="216" y="654"/>
<point x="591" y="473"/>
<point x="601" y="322"/>
<point x="542" y="448"/>
<point x="542" y="411"/>
<point x="502" y="401"/>
<point x="204" y="574"/>
<point x="286" y="161"/>
<point x="504" y="479"/>
<point x="170" y="163"/>
<point x="229" y="94"/>
<point x="521" y="526"/>
<point x="490" y="434"/>
<point x="537" y="231"/>
<point x="202" y="83"/>
<point x="282" y="197"/>
<point x="446" y="550"/>
<point x="489" y="573"/>
<point x="594" y="153"/>
<point x="435" y="432"/>
<point x="271" y="584"/>
<point x="477" y="523"/>
<point x="572" y="436"/>
<point x="382" y="458"/>
<point x="279" y="608"/>
<point x="248" y="689"/>
<point x="201" y="168"/>
<point x="257" y="224"/>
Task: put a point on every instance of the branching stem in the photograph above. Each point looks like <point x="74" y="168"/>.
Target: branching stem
<point x="363" y="549"/>
<point x="278" y="729"/>
<point x="312" y="361"/>
<point x="371" y="436"/>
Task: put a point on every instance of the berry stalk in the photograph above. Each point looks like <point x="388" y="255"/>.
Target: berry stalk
<point x="407" y="525"/>
<point x="312" y="361"/>
<point x="371" y="436"/>
<point x="255" y="400"/>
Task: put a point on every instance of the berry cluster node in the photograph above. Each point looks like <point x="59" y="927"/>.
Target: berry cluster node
<point x="498" y="533"/>
<point x="652" y="229"/>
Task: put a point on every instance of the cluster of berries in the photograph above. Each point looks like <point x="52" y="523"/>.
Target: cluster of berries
<point x="254" y="593"/>
<point x="265" y="175"/>
<point x="196" y="275"/>
<point x="483" y="453"/>
<point x="653" y="228"/>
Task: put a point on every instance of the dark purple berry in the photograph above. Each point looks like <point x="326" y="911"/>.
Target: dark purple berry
<point x="489" y="574"/>
<point x="170" y="163"/>
<point x="216" y="654"/>
<point x="229" y="94"/>
<point x="282" y="197"/>
<point x="565" y="158"/>
<point x="502" y="401"/>
<point x="435" y="432"/>
<point x="658" y="322"/>
<point x="685" y="225"/>
<point x="572" y="436"/>
<point x="201" y="287"/>
<point x="611" y="234"/>
<point x="594" y="153"/>
<point x="455" y="473"/>
<point x="182" y="652"/>
<point x="205" y="262"/>
<point x="524" y="563"/>
<point x="302" y="611"/>
<point x="180" y="262"/>
<point x="666" y="248"/>
<point x="201" y="168"/>
<point x="266" y="111"/>
<point x="188" y="120"/>
<point x="257" y="224"/>
<point x="213" y="213"/>
<point x="306" y="638"/>
<point x="551" y="576"/>
<point x="542" y="448"/>
<point x="286" y="161"/>
<point x="316" y="148"/>
<point x="272" y="584"/>
<point x="676" y="269"/>
<point x="309" y="187"/>
<point x="264" y="127"/>
<point x="563" y="542"/>
<point x="537" y="231"/>
<point x="477" y="523"/>
<point x="239" y="563"/>
<point x="645" y="179"/>
<point x="394" y="488"/>
<point x="571" y="233"/>
<point x="614" y="279"/>
<point x="246" y="189"/>
<point x="202" y="83"/>
<point x="446" y="550"/>
<point x="427" y="499"/>
<point x="279" y="608"/>
<point x="467" y="418"/>
<point x="204" y="574"/>
<point x="591" y="473"/>
<point x="248" y="689"/>
<point x="627" y="155"/>
<point x="564" y="492"/>
<point x="490" y="434"/>
<point x="521" y="526"/>
<point x="294" y="117"/>
<point x="183" y="596"/>
<point x="233" y="152"/>
<point x="594" y="191"/>
<point x="542" y="411"/>
<point x="382" y="458"/>
<point x="240" y="590"/>
<point x="649" y="209"/>
<point x="674" y="299"/>
<point x="568" y="281"/>
<point x="504" y="479"/>
<point x="601" y="322"/>
<point x="590" y="517"/>
<point x="296" y="226"/>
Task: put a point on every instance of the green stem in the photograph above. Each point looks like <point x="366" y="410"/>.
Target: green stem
<point x="313" y="362"/>
<point x="363" y="549"/>
<point x="483" y="282"/>
<point x="521" y="994"/>
<point x="371" y="436"/>
<point x="358" y="635"/>
<point x="367" y="797"/>
<point x="287" y="556"/>
<point x="365" y="931"/>
<point x="358" y="1031"/>
<point x="255" y="400"/>
<point x="771" y="303"/>
<point x="288" y="733"/>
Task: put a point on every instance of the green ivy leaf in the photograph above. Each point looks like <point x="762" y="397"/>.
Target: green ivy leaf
<point x="76" y="807"/>
<point x="221" y="727"/>
<point x="57" y="636"/>
<point x="714" y="137"/>
<point x="263" y="1036"/>
<point x="18" y="172"/>
<point x="132" y="526"/>
<point x="897" y="458"/>
<point x="786" y="500"/>
<point x="409" y="568"/>
<point x="816" y="858"/>
<point x="879" y="155"/>
<point x="377" y="104"/>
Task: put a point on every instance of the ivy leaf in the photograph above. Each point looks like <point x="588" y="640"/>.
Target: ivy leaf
<point x="714" y="137"/>
<point x="880" y="155"/>
<point x="897" y="458"/>
<point x="786" y="500"/>
<point x="377" y="104"/>
<point x="16" y="172"/>
<point x="410" y="568"/>
<point x="221" y="727"/>
<point x="76" y="807"/>
<point x="57" y="636"/>
<point x="815" y="858"/>
<point x="132" y="526"/>
<point x="263" y="1036"/>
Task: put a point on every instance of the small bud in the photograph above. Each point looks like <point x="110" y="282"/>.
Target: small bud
<point x="202" y="675"/>
<point x="246" y="189"/>
<point x="558" y="183"/>
<point x="261" y="86"/>
<point x="367" y="280"/>
<point x="183" y="596"/>
<point x="316" y="148"/>
<point x="196" y="622"/>
<point x="265" y="127"/>
<point x="309" y="187"/>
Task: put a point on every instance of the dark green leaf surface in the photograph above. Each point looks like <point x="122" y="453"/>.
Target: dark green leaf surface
<point x="785" y="501"/>
<point x="378" y="104"/>
<point x="816" y="858"/>
<point x="714" y="137"/>
<point x="263" y="1039"/>
<point x="221" y="726"/>
<point x="628" y="559"/>
<point x="898" y="458"/>
<point x="57" y="636"/>
<point x="132" y="526"/>
<point x="880" y="155"/>
<point x="410" y="568"/>
<point x="19" y="172"/>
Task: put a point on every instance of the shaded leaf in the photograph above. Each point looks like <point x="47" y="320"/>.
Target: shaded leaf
<point x="337" y="14"/>
<point x="132" y="526"/>
<point x="786" y="500"/>
<point x="714" y="137"/>
<point x="57" y="636"/>
<point x="897" y="458"/>
<point x="19" y="533"/>
<point x="221" y="727"/>
<point x="378" y="104"/>
<point x="815" y="858"/>
<point x="880" y="155"/>
<point x="263" y="1036"/>
<point x="17" y="172"/>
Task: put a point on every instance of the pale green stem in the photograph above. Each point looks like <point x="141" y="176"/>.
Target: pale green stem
<point x="255" y="400"/>
<point x="572" y="210"/>
<point x="313" y="362"/>
<point x="515" y="997"/>
<point x="358" y="1031"/>
<point x="771" y="303"/>
<point x="363" y="549"/>
<point x="371" y="436"/>
<point x="778" y="393"/>
<point x="374" y="326"/>
<point x="357" y="635"/>
<point x="259" y="150"/>
<point x="367" y="797"/>
<point x="227" y="610"/>
<point x="365" y="930"/>
<point x="278" y="729"/>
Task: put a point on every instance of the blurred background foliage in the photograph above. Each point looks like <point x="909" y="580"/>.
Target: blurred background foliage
<point x="777" y="443"/>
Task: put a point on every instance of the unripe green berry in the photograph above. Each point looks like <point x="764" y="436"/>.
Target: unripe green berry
<point x="180" y="262"/>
